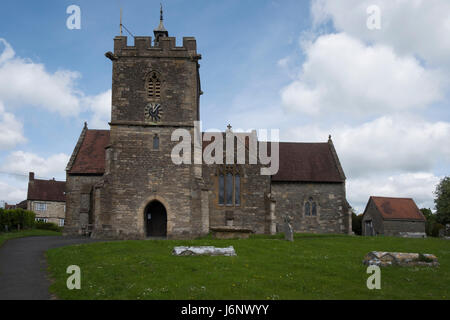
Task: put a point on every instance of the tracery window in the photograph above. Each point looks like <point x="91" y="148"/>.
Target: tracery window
<point x="311" y="207"/>
<point x="229" y="184"/>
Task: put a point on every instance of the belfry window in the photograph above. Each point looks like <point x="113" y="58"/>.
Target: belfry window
<point x="310" y="207"/>
<point x="229" y="183"/>
<point x="154" y="85"/>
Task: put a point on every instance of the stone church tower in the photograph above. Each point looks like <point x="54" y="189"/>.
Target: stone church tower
<point x="155" y="90"/>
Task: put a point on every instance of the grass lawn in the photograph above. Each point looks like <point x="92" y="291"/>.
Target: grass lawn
<point x="312" y="267"/>
<point x="26" y="233"/>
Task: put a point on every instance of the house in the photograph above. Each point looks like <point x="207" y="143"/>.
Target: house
<point x="20" y="205"/>
<point x="392" y="217"/>
<point x="47" y="199"/>
<point x="122" y="183"/>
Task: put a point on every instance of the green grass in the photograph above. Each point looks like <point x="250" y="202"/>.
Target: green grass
<point x="26" y="233"/>
<point x="312" y="267"/>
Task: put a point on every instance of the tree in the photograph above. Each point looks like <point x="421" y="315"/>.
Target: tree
<point x="442" y="201"/>
<point x="356" y="223"/>
<point x="430" y="222"/>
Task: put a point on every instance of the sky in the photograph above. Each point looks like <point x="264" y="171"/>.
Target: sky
<point x="377" y="81"/>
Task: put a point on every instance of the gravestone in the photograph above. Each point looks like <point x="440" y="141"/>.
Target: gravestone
<point x="203" y="251"/>
<point x="288" y="232"/>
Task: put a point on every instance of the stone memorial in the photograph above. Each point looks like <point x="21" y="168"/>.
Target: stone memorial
<point x="203" y="251"/>
<point x="383" y="259"/>
<point x="288" y="232"/>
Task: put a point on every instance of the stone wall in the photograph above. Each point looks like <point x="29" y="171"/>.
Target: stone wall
<point x="53" y="213"/>
<point x="252" y="212"/>
<point x="371" y="214"/>
<point x="395" y="227"/>
<point x="78" y="202"/>
<point x="332" y="212"/>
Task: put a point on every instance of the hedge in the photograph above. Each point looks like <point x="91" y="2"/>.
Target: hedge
<point x="14" y="219"/>
<point x="47" y="226"/>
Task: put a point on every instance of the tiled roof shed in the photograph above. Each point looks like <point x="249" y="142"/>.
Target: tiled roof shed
<point x="397" y="208"/>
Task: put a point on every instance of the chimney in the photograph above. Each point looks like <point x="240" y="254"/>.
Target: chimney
<point x="31" y="176"/>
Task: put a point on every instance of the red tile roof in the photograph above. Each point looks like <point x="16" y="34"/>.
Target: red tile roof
<point x="90" y="158"/>
<point x="46" y="190"/>
<point x="397" y="208"/>
<point x="307" y="162"/>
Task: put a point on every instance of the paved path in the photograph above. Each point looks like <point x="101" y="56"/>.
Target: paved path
<point x="23" y="266"/>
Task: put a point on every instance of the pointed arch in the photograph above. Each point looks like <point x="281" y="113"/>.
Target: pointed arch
<point x="153" y="85"/>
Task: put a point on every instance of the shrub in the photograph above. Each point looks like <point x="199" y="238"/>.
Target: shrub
<point x="436" y="228"/>
<point x="13" y="219"/>
<point x="46" y="226"/>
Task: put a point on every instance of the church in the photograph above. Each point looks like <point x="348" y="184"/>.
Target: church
<point x="122" y="183"/>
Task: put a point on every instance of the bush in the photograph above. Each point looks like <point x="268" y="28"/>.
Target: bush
<point x="46" y="226"/>
<point x="432" y="226"/>
<point x="13" y="219"/>
<point x="436" y="228"/>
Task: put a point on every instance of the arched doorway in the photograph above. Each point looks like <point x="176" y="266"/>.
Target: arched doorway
<point x="156" y="219"/>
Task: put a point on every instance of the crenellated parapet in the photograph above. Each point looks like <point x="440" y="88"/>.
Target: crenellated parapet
<point x="166" y="47"/>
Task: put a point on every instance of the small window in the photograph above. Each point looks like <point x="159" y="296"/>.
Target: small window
<point x="40" y="206"/>
<point x="156" y="142"/>
<point x="311" y="207"/>
<point x="41" y="219"/>
<point x="61" y="222"/>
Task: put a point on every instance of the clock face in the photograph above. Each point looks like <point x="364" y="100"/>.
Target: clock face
<point x="153" y="112"/>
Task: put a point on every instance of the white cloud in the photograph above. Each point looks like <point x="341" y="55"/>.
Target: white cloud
<point x="386" y="145"/>
<point x="342" y="74"/>
<point x="12" y="194"/>
<point x="25" y="82"/>
<point x="20" y="162"/>
<point x="418" y="27"/>
<point x="7" y="53"/>
<point x="100" y="106"/>
<point x="11" y="130"/>
<point x="419" y="186"/>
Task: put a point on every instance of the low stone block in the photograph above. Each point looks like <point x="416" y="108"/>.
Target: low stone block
<point x="203" y="251"/>
<point x="413" y="234"/>
<point x="229" y="232"/>
<point x="383" y="259"/>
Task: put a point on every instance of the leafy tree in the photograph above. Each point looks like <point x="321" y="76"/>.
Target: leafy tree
<point x="442" y="201"/>
<point x="431" y="221"/>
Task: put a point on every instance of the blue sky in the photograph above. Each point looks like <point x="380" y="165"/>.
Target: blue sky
<point x="308" y="68"/>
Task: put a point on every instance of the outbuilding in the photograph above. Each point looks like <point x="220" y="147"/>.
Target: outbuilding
<point x="393" y="217"/>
